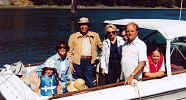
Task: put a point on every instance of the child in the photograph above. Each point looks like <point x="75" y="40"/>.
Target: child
<point x="155" y="67"/>
<point x="45" y="82"/>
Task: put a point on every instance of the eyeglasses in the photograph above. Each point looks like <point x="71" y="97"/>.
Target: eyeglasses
<point x="113" y="32"/>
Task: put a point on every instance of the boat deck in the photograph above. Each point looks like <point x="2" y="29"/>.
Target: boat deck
<point x="172" y="95"/>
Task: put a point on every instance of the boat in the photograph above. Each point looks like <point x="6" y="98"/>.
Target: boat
<point x="171" y="87"/>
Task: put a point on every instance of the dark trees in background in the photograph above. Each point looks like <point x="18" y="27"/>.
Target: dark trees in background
<point x="135" y="3"/>
<point x="108" y="2"/>
<point x="166" y="3"/>
<point x="62" y="2"/>
<point x="88" y="2"/>
<point x="177" y="3"/>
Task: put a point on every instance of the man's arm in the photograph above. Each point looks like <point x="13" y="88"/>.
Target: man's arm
<point x="99" y="43"/>
<point x="135" y="72"/>
<point x="70" y="53"/>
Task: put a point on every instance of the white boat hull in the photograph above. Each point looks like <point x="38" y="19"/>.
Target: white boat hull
<point x="145" y="88"/>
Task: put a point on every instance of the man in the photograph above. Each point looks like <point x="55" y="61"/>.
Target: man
<point x="83" y="51"/>
<point x="124" y="35"/>
<point x="111" y="54"/>
<point x="134" y="55"/>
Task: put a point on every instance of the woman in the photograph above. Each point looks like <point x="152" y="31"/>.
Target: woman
<point x="111" y="54"/>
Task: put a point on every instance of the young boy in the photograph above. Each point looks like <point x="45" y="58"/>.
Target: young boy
<point x="44" y="82"/>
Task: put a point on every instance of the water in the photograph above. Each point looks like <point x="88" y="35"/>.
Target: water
<point x="29" y="35"/>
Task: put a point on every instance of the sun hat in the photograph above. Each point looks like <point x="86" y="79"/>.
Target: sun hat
<point x="76" y="85"/>
<point x="49" y="64"/>
<point x="83" y="20"/>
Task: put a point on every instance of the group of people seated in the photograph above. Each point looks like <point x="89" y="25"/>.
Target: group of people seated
<point x="123" y="58"/>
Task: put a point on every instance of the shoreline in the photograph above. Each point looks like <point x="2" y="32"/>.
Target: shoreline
<point x="85" y="7"/>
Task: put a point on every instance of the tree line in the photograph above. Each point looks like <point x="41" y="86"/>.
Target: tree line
<point x="136" y="3"/>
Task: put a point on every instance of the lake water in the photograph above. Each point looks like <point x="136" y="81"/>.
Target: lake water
<point x="29" y="35"/>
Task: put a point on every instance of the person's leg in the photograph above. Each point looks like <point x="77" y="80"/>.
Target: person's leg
<point x="111" y="75"/>
<point x="78" y="71"/>
<point x="88" y="72"/>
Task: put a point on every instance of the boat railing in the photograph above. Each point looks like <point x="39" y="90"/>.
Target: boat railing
<point x="99" y="87"/>
<point x="104" y="87"/>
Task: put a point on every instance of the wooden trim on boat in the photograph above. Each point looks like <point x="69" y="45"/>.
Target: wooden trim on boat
<point x="102" y="87"/>
<point x="30" y="65"/>
<point x="178" y="72"/>
<point x="87" y="90"/>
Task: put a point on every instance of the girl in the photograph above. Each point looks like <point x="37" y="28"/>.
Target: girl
<point x="155" y="67"/>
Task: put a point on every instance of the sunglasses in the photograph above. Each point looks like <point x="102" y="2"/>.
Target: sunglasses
<point x="112" y="32"/>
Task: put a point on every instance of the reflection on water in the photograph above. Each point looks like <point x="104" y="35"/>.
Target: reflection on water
<point x="30" y="35"/>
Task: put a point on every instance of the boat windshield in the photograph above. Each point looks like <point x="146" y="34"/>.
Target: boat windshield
<point x="178" y="54"/>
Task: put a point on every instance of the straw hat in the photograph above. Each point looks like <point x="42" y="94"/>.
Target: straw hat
<point x="76" y="85"/>
<point x="83" y="20"/>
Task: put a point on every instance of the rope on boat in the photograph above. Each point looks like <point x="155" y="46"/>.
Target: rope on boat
<point x="135" y="85"/>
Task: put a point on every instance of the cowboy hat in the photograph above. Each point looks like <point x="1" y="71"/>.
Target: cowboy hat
<point x="83" y="20"/>
<point x="76" y="85"/>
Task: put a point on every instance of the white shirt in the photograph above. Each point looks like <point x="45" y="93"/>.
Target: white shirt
<point x="86" y="47"/>
<point x="147" y="68"/>
<point x="132" y="54"/>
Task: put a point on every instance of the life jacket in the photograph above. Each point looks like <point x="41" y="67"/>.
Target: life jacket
<point x="152" y="66"/>
<point x="47" y="85"/>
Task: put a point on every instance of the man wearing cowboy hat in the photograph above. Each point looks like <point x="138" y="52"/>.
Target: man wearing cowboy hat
<point x="83" y="51"/>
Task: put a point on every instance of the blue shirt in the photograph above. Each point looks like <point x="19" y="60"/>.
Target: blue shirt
<point x="62" y="66"/>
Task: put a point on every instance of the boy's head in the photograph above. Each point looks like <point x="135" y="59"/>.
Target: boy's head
<point x="62" y="48"/>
